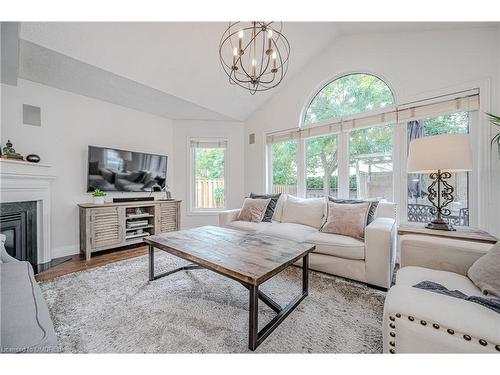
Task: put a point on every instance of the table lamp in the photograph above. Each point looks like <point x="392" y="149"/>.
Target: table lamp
<point x="439" y="155"/>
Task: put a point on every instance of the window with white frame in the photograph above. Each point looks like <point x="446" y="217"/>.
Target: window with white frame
<point x="346" y="146"/>
<point x="321" y="166"/>
<point x="417" y="202"/>
<point x="284" y="167"/>
<point x="208" y="174"/>
<point x="370" y="163"/>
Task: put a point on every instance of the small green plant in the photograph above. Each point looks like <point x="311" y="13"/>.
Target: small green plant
<point x="98" y="193"/>
<point x="495" y="120"/>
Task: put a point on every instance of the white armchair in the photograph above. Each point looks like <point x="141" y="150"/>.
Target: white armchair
<point x="421" y="321"/>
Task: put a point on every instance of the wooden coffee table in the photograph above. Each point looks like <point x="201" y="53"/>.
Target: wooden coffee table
<point x="250" y="259"/>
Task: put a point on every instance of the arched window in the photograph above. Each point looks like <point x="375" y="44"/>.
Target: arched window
<point x="348" y="95"/>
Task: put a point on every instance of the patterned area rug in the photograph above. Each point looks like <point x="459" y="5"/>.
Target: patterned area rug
<point x="115" y="309"/>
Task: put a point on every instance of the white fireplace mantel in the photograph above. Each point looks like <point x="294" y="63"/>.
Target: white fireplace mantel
<point x="22" y="181"/>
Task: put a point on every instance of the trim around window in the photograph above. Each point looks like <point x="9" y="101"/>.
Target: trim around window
<point x="209" y="141"/>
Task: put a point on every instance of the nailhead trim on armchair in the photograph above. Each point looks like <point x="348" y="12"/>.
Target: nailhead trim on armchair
<point x="392" y="325"/>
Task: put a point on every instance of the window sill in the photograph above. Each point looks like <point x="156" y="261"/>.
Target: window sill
<point x="206" y="212"/>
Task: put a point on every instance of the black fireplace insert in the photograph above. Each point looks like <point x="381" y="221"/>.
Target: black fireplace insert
<point x="18" y="222"/>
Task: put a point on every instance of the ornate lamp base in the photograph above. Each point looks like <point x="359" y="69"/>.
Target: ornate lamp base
<point x="440" y="198"/>
<point x="439" y="224"/>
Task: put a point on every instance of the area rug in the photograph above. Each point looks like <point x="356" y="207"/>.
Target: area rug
<point x="115" y="309"/>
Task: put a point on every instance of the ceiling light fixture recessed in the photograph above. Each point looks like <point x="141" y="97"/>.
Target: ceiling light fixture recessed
<point x="254" y="55"/>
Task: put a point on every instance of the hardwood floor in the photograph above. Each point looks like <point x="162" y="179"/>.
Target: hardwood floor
<point x="78" y="263"/>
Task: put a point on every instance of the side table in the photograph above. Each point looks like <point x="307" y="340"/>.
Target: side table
<point x="453" y="251"/>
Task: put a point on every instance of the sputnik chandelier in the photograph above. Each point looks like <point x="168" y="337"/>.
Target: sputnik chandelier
<point x="254" y="54"/>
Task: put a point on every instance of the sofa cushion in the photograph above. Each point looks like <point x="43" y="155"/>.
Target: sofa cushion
<point x="278" y="211"/>
<point x="337" y="245"/>
<point x="253" y="210"/>
<point x="268" y="215"/>
<point x="248" y="226"/>
<point x="309" y="212"/>
<point x="347" y="219"/>
<point x="485" y="272"/>
<point x="371" y="211"/>
<point x="25" y="321"/>
<point x="289" y="231"/>
<point x="411" y="276"/>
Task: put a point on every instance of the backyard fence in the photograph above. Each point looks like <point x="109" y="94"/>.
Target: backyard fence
<point x="285" y="189"/>
<point x="209" y="193"/>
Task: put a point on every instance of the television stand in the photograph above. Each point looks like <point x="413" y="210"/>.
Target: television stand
<point x="110" y="225"/>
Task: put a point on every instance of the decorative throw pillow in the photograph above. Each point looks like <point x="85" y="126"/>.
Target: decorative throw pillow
<point x="485" y="272"/>
<point x="278" y="211"/>
<point x="371" y="211"/>
<point x="253" y="210"/>
<point x="347" y="219"/>
<point x="308" y="212"/>
<point x="268" y="215"/>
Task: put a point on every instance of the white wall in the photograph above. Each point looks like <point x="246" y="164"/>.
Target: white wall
<point x="416" y="65"/>
<point x="70" y="123"/>
<point x="234" y="132"/>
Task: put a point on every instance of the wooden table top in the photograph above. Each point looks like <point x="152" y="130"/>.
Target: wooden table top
<point x="250" y="258"/>
<point x="461" y="233"/>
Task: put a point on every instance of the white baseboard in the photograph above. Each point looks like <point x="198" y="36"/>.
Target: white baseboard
<point x="63" y="251"/>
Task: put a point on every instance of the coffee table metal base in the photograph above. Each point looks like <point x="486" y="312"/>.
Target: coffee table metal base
<point x="255" y="337"/>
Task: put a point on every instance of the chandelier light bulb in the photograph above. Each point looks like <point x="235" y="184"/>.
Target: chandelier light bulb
<point x="274" y="56"/>
<point x="240" y="41"/>
<point x="270" y="37"/>
<point x="235" y="53"/>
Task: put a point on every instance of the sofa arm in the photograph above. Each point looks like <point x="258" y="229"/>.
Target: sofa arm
<point x="420" y="321"/>
<point x="225" y="217"/>
<point x="440" y="253"/>
<point x="380" y="251"/>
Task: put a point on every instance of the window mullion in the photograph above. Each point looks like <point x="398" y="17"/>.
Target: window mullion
<point x="343" y="169"/>
<point x="301" y="168"/>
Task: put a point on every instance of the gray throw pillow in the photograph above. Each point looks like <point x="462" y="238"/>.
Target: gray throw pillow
<point x="485" y="272"/>
<point x="272" y="204"/>
<point x="371" y="211"/>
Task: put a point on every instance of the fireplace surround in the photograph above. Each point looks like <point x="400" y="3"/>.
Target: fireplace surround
<point x="18" y="222"/>
<point x="29" y="183"/>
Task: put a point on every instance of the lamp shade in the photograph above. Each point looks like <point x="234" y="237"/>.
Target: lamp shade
<point x="447" y="153"/>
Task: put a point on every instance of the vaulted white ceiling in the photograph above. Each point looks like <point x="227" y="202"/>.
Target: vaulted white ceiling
<point x="181" y="59"/>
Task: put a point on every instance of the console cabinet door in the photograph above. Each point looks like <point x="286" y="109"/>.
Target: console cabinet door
<point x="168" y="217"/>
<point x="106" y="226"/>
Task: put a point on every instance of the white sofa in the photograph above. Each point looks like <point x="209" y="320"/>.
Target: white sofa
<point x="370" y="261"/>
<point x="421" y="321"/>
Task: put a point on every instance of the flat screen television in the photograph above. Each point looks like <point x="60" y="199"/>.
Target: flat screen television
<point x="111" y="169"/>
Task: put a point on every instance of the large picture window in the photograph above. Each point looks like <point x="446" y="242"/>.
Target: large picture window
<point x="348" y="95"/>
<point x="370" y="163"/>
<point x="352" y="141"/>
<point x="321" y="166"/>
<point x="284" y="167"/>
<point x="208" y="166"/>
<point x="418" y="204"/>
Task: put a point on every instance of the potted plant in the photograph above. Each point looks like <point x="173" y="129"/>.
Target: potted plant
<point x="98" y="196"/>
